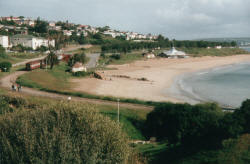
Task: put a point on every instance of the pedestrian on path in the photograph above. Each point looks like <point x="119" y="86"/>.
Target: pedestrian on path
<point x="19" y="88"/>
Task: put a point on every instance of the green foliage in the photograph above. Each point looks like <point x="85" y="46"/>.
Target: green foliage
<point x="82" y="74"/>
<point x="128" y="46"/>
<point x="42" y="49"/>
<point x="116" y="56"/>
<point x="193" y="126"/>
<point x="5" y="66"/>
<point x="40" y="26"/>
<point x="20" y="48"/>
<point x="242" y="116"/>
<point x="235" y="151"/>
<point x="97" y="36"/>
<point x="77" y="58"/>
<point x="81" y="39"/>
<point x="2" y="52"/>
<point x="61" y="133"/>
<point x="199" y="52"/>
<point x="4" y="106"/>
<point x="52" y="59"/>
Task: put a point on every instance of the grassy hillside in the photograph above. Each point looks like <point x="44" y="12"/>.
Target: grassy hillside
<point x="14" y="108"/>
<point x="43" y="131"/>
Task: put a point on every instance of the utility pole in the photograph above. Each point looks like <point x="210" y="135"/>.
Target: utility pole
<point x="118" y="110"/>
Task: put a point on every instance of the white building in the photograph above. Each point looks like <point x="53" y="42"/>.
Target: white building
<point x="149" y="55"/>
<point x="67" y="32"/>
<point x="31" y="41"/>
<point x="173" y="53"/>
<point x="4" y="41"/>
<point x="78" y="67"/>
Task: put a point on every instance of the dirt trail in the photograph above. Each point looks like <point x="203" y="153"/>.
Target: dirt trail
<point x="7" y="81"/>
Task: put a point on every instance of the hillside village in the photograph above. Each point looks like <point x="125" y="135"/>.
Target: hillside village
<point x="25" y="31"/>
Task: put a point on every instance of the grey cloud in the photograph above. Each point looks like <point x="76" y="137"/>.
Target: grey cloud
<point x="182" y="19"/>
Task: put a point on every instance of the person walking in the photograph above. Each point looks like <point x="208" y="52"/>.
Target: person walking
<point x="19" y="88"/>
<point x="13" y="87"/>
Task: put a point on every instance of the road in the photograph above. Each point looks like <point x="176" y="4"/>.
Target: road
<point x="93" y="59"/>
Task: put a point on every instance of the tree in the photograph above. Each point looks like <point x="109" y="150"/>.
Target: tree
<point x="5" y="66"/>
<point x="242" y="115"/>
<point x="192" y="126"/>
<point x="2" y="52"/>
<point x="81" y="39"/>
<point x="52" y="59"/>
<point x="97" y="36"/>
<point x="41" y="26"/>
<point x="77" y="58"/>
<point x="160" y="38"/>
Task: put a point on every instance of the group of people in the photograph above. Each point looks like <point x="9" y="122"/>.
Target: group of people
<point x="16" y="87"/>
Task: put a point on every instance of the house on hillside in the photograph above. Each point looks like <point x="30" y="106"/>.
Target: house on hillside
<point x="78" y="67"/>
<point x="31" y="41"/>
<point x="4" y="41"/>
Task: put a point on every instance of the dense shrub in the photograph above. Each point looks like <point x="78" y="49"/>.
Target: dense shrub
<point x="5" y="66"/>
<point x="82" y="74"/>
<point x="2" y="52"/>
<point x="116" y="56"/>
<point x="235" y="151"/>
<point x="77" y="58"/>
<point x="61" y="134"/>
<point x="192" y="126"/>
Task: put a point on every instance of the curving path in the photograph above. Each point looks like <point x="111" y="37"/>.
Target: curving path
<point x="7" y="81"/>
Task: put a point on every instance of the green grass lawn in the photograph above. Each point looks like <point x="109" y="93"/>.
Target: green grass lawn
<point x="131" y="120"/>
<point x="13" y="69"/>
<point x="55" y="79"/>
<point x="125" y="58"/>
<point x="199" y="52"/>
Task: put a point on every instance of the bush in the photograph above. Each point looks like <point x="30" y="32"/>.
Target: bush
<point x="2" y="52"/>
<point x="116" y="56"/>
<point x="192" y="126"/>
<point x="82" y="74"/>
<point x="61" y="134"/>
<point x="77" y="58"/>
<point x="5" y="66"/>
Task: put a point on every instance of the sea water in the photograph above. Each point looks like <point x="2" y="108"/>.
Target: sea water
<point x="228" y="86"/>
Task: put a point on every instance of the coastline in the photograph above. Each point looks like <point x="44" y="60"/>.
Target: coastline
<point x="160" y="73"/>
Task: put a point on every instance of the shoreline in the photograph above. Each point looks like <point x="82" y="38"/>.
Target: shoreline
<point x="160" y="73"/>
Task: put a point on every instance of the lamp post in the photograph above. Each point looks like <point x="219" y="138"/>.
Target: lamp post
<point x="4" y="69"/>
<point x="118" y="110"/>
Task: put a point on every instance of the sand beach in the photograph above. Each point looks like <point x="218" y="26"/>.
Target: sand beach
<point x="149" y="79"/>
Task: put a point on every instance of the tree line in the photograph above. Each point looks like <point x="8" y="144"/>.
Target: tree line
<point x="128" y="46"/>
<point x="197" y="127"/>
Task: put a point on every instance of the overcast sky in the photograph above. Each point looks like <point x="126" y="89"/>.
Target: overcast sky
<point x="180" y="19"/>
